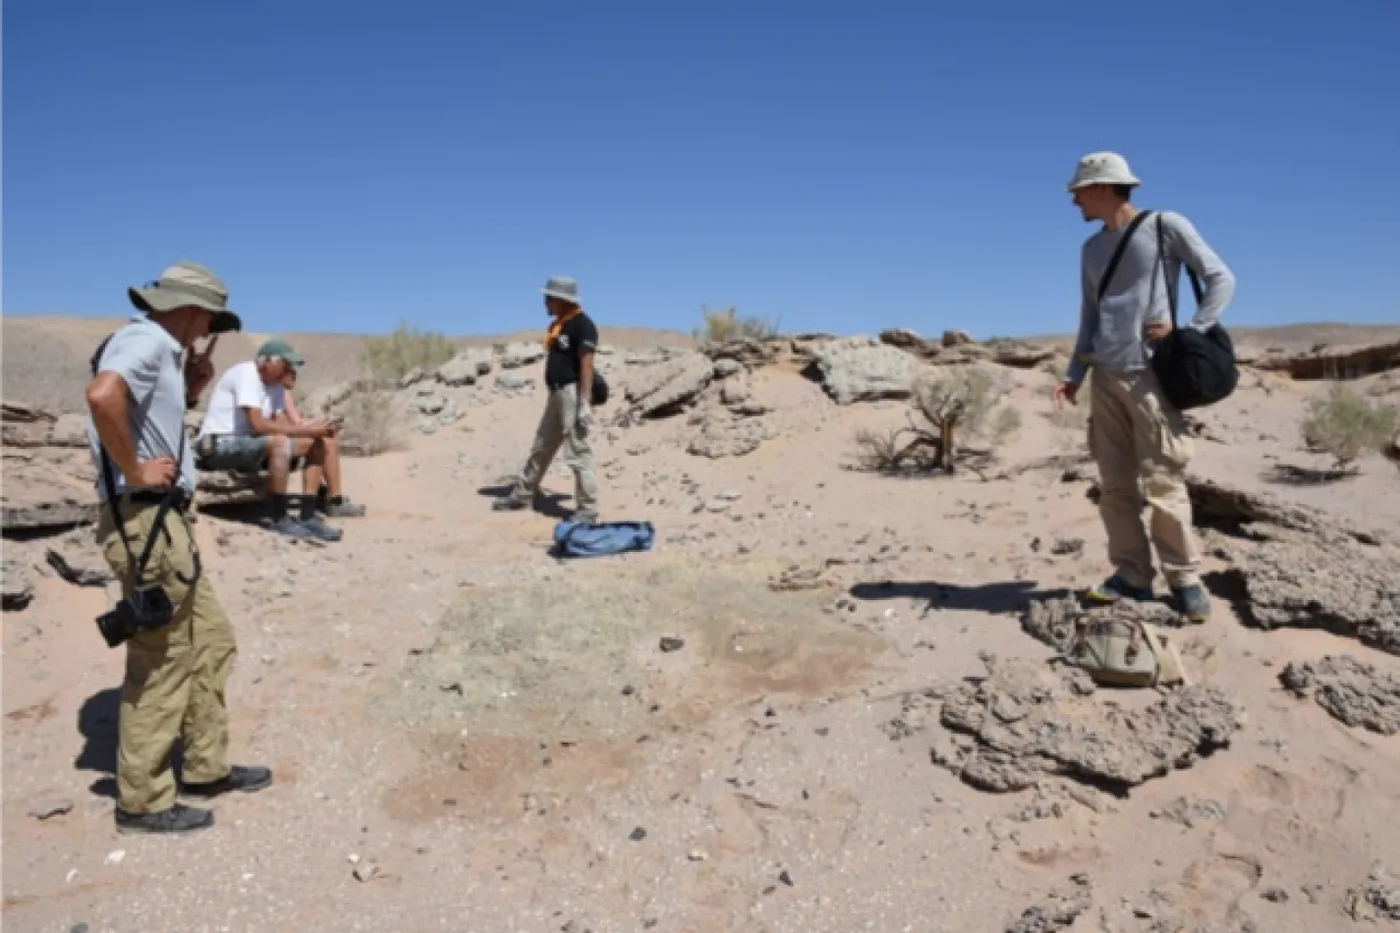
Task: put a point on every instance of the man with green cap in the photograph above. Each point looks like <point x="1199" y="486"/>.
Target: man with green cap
<point x="178" y="665"/>
<point x="241" y="431"/>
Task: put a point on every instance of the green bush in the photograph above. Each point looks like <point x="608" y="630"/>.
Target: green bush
<point x="724" y="325"/>
<point x="386" y="360"/>
<point x="1345" y="425"/>
<point x="373" y="425"/>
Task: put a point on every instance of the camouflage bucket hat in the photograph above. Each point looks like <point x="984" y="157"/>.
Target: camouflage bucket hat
<point x="187" y="285"/>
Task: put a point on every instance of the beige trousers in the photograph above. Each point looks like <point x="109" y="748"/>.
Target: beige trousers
<point x="559" y="428"/>
<point x="1142" y="446"/>
<point x="175" y="676"/>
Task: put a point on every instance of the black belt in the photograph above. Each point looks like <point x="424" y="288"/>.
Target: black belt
<point x="180" y="503"/>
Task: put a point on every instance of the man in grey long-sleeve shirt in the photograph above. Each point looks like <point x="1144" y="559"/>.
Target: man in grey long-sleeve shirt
<point x="1139" y="440"/>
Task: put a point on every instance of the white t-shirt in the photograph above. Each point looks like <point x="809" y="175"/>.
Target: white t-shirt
<point x="238" y="389"/>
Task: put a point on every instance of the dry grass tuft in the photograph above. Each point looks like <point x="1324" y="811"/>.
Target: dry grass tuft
<point x="1345" y="425"/>
<point x="386" y="360"/>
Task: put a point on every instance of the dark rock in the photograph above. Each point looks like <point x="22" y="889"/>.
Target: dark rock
<point x="1376" y="898"/>
<point x="785" y="878"/>
<point x="51" y="808"/>
<point x="1067" y="546"/>
<point x="1277" y="895"/>
<point x="669" y="644"/>
<point x="1058" y="910"/>
<point x="1352" y="692"/>
<point x="638" y="834"/>
<point x="18" y="589"/>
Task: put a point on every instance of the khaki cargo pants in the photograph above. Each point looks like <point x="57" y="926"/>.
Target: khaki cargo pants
<point x="175" y="676"/>
<point x="559" y="428"/>
<point x="1142" y="446"/>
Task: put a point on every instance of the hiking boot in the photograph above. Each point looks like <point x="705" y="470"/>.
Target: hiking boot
<point x="320" y="530"/>
<point x="291" y="528"/>
<point x="510" y="504"/>
<point x="239" y="778"/>
<point x="1115" y="588"/>
<point x="344" y="508"/>
<point x="1193" y="602"/>
<point x="178" y="819"/>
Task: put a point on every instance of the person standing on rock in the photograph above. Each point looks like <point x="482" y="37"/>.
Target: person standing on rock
<point x="1137" y="437"/>
<point x="175" y="674"/>
<point x="571" y="344"/>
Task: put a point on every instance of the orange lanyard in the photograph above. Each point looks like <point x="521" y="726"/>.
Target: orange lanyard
<point x="558" y="326"/>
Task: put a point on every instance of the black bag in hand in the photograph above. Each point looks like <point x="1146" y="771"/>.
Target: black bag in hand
<point x="1195" y="368"/>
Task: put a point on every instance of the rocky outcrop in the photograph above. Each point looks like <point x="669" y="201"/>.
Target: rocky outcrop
<point x="515" y="382"/>
<point x="1027" y="720"/>
<point x="664" y="388"/>
<point x="466" y="367"/>
<point x="1228" y="508"/>
<point x="726" y="434"/>
<point x="49" y="477"/>
<point x="858" y="369"/>
<point x="957" y="338"/>
<point x="16" y="588"/>
<point x="1324" y="362"/>
<point x="1299" y="580"/>
<point x="516" y="355"/>
<point x="1352" y="692"/>
<point x="748" y="351"/>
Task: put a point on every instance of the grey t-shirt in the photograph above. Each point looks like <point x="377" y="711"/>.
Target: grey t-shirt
<point x="1111" y="334"/>
<point x="148" y="359"/>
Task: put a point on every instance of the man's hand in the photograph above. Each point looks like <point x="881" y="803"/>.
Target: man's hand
<point x="322" y="427"/>
<point x="1158" y="330"/>
<point x="158" y="473"/>
<point x="199" y="369"/>
<point x="585" y="418"/>
<point x="1065" y="392"/>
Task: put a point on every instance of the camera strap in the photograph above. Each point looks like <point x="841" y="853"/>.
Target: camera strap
<point x="167" y="502"/>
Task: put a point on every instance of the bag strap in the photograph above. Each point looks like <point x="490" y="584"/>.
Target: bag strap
<point x="166" y="503"/>
<point x="1171" y="286"/>
<point x="1118" y="253"/>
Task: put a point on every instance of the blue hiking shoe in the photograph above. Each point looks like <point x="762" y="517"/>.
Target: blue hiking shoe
<point x="1115" y="588"/>
<point x="1192" y="602"/>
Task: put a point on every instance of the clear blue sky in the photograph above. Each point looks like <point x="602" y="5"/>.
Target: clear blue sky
<point x="844" y="166"/>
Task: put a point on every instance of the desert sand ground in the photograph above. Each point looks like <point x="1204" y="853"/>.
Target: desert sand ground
<point x="469" y="735"/>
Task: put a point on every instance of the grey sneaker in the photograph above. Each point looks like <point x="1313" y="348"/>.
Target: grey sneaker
<point x="178" y="819"/>
<point x="344" y="509"/>
<point x="320" y="530"/>
<point x="242" y="778"/>
<point x="292" y="528"/>
<point x="1193" y="602"/>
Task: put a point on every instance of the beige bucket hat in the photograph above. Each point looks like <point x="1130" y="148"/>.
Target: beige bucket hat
<point x="561" y="287"/>
<point x="187" y="285"/>
<point x="1102" y="168"/>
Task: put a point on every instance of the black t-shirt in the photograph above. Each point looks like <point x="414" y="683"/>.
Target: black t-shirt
<point x="561" y="367"/>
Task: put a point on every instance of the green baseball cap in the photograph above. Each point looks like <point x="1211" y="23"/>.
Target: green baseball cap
<point x="279" y="347"/>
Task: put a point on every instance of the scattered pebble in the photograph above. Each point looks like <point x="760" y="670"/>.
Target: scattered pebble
<point x="669" y="644"/>
<point x="638" y="834"/>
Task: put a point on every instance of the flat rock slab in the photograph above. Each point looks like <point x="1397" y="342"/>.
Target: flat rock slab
<point x="1027" y="720"/>
<point x="1351" y="691"/>
<point x="665" y="387"/>
<point x="18" y="588"/>
<point x="1058" y="910"/>
<point x="79" y="562"/>
<point x="465" y="368"/>
<point x="858" y="369"/>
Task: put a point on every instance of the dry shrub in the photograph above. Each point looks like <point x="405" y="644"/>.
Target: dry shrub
<point x="957" y="403"/>
<point x="373" y="423"/>
<point x="386" y="360"/>
<point x="1347" y="426"/>
<point x="724" y="326"/>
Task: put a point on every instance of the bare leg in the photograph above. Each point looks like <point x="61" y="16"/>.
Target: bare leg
<point x="315" y="467"/>
<point x="278" y="464"/>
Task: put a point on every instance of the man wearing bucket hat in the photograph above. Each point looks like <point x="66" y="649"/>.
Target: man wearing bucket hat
<point x="571" y="344"/>
<point x="245" y="429"/>
<point x="177" y="665"/>
<point x="1139" y="440"/>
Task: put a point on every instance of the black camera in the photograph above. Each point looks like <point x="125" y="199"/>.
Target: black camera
<point x="146" y="608"/>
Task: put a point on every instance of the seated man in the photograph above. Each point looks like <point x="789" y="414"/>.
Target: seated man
<point x="246" y="428"/>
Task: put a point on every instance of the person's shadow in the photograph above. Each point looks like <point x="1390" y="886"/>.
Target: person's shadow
<point x="97" y="723"/>
<point x="544" y="504"/>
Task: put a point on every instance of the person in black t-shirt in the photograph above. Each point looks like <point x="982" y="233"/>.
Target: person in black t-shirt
<point x="571" y="342"/>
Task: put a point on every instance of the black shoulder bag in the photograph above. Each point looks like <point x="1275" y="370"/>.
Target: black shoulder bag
<point x="1195" y="368"/>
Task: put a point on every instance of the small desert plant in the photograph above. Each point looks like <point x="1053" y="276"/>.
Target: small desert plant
<point x="1345" y="425"/>
<point x="386" y="360"/>
<point x="960" y="403"/>
<point x="724" y="325"/>
<point x="372" y="423"/>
